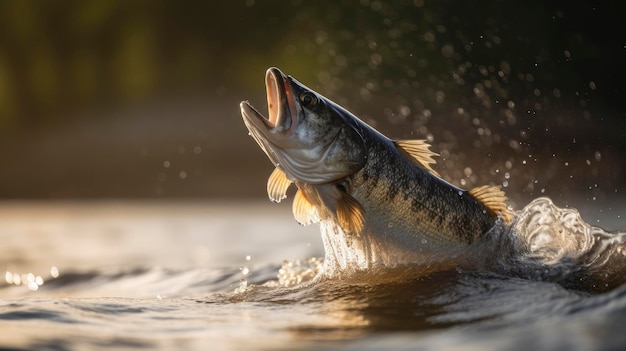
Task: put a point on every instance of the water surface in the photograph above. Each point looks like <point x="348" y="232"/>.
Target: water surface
<point x="198" y="275"/>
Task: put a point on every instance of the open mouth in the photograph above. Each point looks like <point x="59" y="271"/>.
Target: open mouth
<point x="273" y="97"/>
<point x="280" y="104"/>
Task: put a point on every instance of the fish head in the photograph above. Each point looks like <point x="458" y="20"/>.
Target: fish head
<point x="310" y="138"/>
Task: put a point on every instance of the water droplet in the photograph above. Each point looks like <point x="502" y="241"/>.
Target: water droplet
<point x="424" y="241"/>
<point x="597" y="156"/>
<point x="405" y="111"/>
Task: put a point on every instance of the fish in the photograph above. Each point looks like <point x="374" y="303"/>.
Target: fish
<point x="379" y="200"/>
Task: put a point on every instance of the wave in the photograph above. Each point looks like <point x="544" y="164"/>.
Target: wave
<point x="555" y="244"/>
<point x="544" y="243"/>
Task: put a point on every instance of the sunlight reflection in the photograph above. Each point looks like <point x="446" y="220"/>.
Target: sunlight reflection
<point x="29" y="280"/>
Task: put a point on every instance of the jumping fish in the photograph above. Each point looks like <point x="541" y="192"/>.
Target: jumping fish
<point x="382" y="195"/>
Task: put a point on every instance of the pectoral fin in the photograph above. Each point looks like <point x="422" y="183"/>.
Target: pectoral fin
<point x="303" y="211"/>
<point x="494" y="199"/>
<point x="350" y="214"/>
<point x="419" y="152"/>
<point x="277" y="185"/>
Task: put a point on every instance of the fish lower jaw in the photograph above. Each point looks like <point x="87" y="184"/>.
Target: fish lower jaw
<point x="251" y="115"/>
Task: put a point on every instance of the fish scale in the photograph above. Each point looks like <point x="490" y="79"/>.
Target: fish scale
<point x="435" y="206"/>
<point x="373" y="195"/>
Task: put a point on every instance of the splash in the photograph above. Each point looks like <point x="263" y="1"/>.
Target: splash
<point x="297" y="272"/>
<point x="343" y="254"/>
<point x="545" y="243"/>
<point x="555" y="244"/>
<point x="552" y="235"/>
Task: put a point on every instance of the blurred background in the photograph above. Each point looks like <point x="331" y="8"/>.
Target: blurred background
<point x="139" y="99"/>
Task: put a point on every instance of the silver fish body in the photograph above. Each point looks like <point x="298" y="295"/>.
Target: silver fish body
<point x="380" y="196"/>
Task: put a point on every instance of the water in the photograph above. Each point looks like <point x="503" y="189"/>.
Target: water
<point x="197" y="276"/>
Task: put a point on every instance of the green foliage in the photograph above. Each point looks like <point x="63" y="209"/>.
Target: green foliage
<point x="61" y="56"/>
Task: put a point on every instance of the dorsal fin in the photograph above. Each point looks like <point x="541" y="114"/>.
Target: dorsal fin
<point x="350" y="214"/>
<point x="303" y="211"/>
<point x="494" y="199"/>
<point x="277" y="185"/>
<point x="419" y="152"/>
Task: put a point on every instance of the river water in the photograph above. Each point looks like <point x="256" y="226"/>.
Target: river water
<point x="198" y="275"/>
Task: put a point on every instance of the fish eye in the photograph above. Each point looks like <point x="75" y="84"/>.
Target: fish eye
<point x="308" y="100"/>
